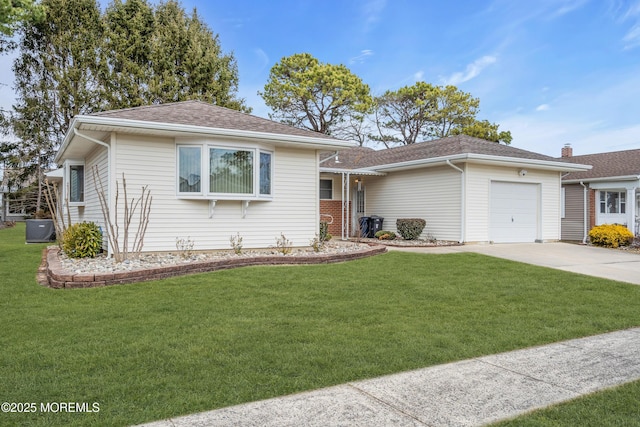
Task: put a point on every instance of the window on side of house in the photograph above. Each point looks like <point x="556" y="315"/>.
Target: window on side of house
<point x="613" y="202"/>
<point x="189" y="169"/>
<point x="230" y="171"/>
<point x="76" y="183"/>
<point x="326" y="189"/>
<point x="265" y="173"/>
<point x="234" y="173"/>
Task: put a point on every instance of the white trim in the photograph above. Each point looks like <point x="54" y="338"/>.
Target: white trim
<point x="112" y="125"/>
<point x="603" y="179"/>
<point x="485" y="159"/>
<point x="319" y="189"/>
<point x="205" y="193"/>
<point x="67" y="181"/>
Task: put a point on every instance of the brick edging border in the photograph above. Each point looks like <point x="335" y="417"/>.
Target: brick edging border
<point x="51" y="274"/>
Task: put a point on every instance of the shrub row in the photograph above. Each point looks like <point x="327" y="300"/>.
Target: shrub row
<point x="610" y="235"/>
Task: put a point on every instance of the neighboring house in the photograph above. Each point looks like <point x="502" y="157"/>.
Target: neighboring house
<point x="606" y="194"/>
<point x="212" y="173"/>
<point x="467" y="190"/>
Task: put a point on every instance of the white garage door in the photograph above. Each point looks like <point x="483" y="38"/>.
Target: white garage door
<point x="513" y="212"/>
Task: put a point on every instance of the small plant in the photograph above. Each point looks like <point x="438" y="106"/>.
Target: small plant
<point x="385" y="235"/>
<point x="283" y="245"/>
<point x="82" y="240"/>
<point x="410" y="228"/>
<point x="324" y="235"/>
<point x="316" y="243"/>
<point x="610" y="235"/>
<point x="185" y="247"/>
<point x="236" y="243"/>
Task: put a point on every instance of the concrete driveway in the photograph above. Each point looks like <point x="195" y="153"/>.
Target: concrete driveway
<point x="600" y="262"/>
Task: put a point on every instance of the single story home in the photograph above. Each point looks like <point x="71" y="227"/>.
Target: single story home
<point x="212" y="173"/>
<point x="467" y="190"/>
<point x="606" y="194"/>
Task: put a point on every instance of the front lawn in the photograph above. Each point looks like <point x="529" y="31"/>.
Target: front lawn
<point x="619" y="406"/>
<point x="159" y="349"/>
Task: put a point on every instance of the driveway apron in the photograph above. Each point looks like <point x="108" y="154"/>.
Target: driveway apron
<point x="614" y="264"/>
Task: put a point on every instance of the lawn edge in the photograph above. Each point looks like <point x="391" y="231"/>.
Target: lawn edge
<point x="51" y="273"/>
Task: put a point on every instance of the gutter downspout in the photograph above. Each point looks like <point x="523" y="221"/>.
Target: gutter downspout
<point x="586" y="213"/>
<point x="462" y="200"/>
<point x="104" y="144"/>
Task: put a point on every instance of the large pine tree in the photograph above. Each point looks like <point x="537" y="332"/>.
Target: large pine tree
<point x="78" y="60"/>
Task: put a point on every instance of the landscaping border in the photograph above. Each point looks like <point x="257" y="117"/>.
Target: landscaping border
<point x="51" y="273"/>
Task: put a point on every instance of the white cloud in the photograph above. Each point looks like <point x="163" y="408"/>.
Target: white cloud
<point x="472" y="70"/>
<point x="542" y="107"/>
<point x="597" y="119"/>
<point x="632" y="38"/>
<point x="567" y="7"/>
<point x="359" y="59"/>
<point x="418" y="76"/>
<point x="262" y="57"/>
<point x="372" y="11"/>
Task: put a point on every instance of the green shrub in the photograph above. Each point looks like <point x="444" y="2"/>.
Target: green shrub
<point x="385" y="235"/>
<point x="410" y="228"/>
<point x="610" y="235"/>
<point x="82" y="240"/>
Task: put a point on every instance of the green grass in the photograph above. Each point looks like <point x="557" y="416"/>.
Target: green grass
<point x="159" y="349"/>
<point x="619" y="406"/>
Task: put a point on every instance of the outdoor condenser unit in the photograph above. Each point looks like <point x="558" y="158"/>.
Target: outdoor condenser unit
<point x="40" y="231"/>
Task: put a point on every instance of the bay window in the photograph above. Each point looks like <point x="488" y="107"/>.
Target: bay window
<point x="233" y="173"/>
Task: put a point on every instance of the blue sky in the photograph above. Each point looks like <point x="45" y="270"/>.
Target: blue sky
<point x="550" y="71"/>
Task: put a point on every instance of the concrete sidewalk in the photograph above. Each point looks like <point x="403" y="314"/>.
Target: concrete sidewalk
<point x="611" y="264"/>
<point x="468" y="393"/>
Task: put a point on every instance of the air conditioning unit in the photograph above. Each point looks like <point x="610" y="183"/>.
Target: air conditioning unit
<point x="40" y="231"/>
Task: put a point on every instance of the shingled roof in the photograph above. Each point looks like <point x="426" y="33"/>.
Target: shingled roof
<point x="198" y="113"/>
<point x="360" y="157"/>
<point x="612" y="164"/>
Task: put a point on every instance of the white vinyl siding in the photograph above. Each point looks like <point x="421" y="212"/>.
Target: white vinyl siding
<point x="293" y="210"/>
<point x="432" y="194"/>
<point x="90" y="211"/>
<point x="478" y="189"/>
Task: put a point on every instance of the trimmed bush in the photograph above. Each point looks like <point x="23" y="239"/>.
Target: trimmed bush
<point x="385" y="235"/>
<point x="410" y="228"/>
<point x="82" y="240"/>
<point x="610" y="235"/>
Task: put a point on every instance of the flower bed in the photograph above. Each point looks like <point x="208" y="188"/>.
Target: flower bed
<point x="57" y="272"/>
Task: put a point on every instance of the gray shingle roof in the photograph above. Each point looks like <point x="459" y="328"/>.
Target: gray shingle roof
<point x="198" y="113"/>
<point x="461" y="144"/>
<point x="616" y="163"/>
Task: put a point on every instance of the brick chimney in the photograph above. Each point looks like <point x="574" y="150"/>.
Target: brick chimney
<point x="567" y="151"/>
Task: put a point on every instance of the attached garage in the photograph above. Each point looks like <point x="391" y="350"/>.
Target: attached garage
<point x="514" y="212"/>
<point x="468" y="190"/>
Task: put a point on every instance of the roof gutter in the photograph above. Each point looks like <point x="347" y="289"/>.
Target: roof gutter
<point x="507" y="161"/>
<point x="462" y="200"/>
<point x="602" y="179"/>
<point x="192" y="129"/>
